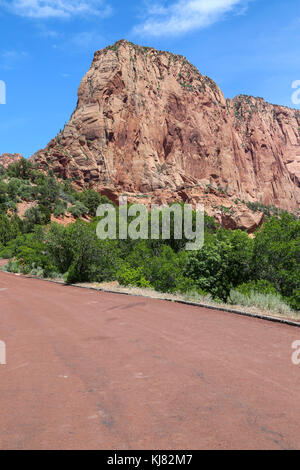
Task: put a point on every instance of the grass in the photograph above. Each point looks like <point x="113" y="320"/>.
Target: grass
<point x="259" y="304"/>
<point x="265" y="302"/>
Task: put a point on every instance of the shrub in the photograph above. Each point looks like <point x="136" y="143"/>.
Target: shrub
<point x="13" y="267"/>
<point x="268" y="302"/>
<point x="276" y="256"/>
<point x="37" y="271"/>
<point x="38" y="215"/>
<point x="294" y="300"/>
<point x="83" y="252"/>
<point x="9" y="228"/>
<point x="222" y="263"/>
<point x="165" y="271"/>
<point x="127" y="276"/>
<point x="197" y="295"/>
<point x="261" y="287"/>
<point x="78" y="210"/>
<point x="60" y="209"/>
<point x="185" y="284"/>
<point x="21" y="169"/>
<point x="91" y="200"/>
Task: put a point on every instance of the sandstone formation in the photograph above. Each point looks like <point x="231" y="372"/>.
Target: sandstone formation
<point x="8" y="158"/>
<point x="150" y="125"/>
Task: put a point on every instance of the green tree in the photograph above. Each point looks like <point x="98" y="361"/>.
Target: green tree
<point x="277" y="255"/>
<point x="91" y="200"/>
<point x="22" y="169"/>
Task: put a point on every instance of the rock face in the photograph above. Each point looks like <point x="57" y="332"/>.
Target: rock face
<point x="148" y="124"/>
<point x="8" y="158"/>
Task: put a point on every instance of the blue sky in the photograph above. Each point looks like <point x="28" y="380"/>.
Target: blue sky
<point x="246" y="46"/>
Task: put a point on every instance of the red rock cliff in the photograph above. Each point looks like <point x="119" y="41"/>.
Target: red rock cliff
<point x="148" y="122"/>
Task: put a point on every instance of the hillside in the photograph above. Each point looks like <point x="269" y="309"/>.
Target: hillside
<point x="260" y="271"/>
<point x="30" y="197"/>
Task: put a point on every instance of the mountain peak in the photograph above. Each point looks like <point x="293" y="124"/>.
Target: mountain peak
<point x="148" y="123"/>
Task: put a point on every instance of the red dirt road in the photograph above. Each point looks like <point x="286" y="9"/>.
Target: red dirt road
<point x="90" y="370"/>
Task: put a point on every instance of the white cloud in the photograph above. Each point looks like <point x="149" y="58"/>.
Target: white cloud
<point x="81" y="42"/>
<point x="184" y="15"/>
<point x="56" y="8"/>
<point x="87" y="39"/>
<point x="11" y="59"/>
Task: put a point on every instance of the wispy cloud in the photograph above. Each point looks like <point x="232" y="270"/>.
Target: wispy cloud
<point x="10" y="59"/>
<point x="81" y="42"/>
<point x="45" y="32"/>
<point x="183" y="16"/>
<point x="43" y="9"/>
<point x="87" y="39"/>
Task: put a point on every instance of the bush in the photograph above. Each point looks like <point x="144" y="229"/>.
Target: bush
<point x="78" y="210"/>
<point x="222" y="263"/>
<point x="197" y="295"/>
<point x="164" y="272"/>
<point x="74" y="249"/>
<point x="91" y="200"/>
<point x="37" y="271"/>
<point x="186" y="285"/>
<point x="276" y="256"/>
<point x="294" y="300"/>
<point x="22" y="169"/>
<point x="127" y="276"/>
<point x="38" y="215"/>
<point x="60" y="209"/>
<point x="9" y="228"/>
<point x="261" y="287"/>
<point x="12" y="267"/>
<point x="268" y="302"/>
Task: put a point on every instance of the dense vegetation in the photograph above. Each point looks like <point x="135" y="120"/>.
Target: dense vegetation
<point x="230" y="267"/>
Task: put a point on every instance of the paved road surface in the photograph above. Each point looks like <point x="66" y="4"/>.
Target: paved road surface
<point x="89" y="370"/>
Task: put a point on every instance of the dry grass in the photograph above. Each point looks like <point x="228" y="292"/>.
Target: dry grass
<point x="191" y="297"/>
